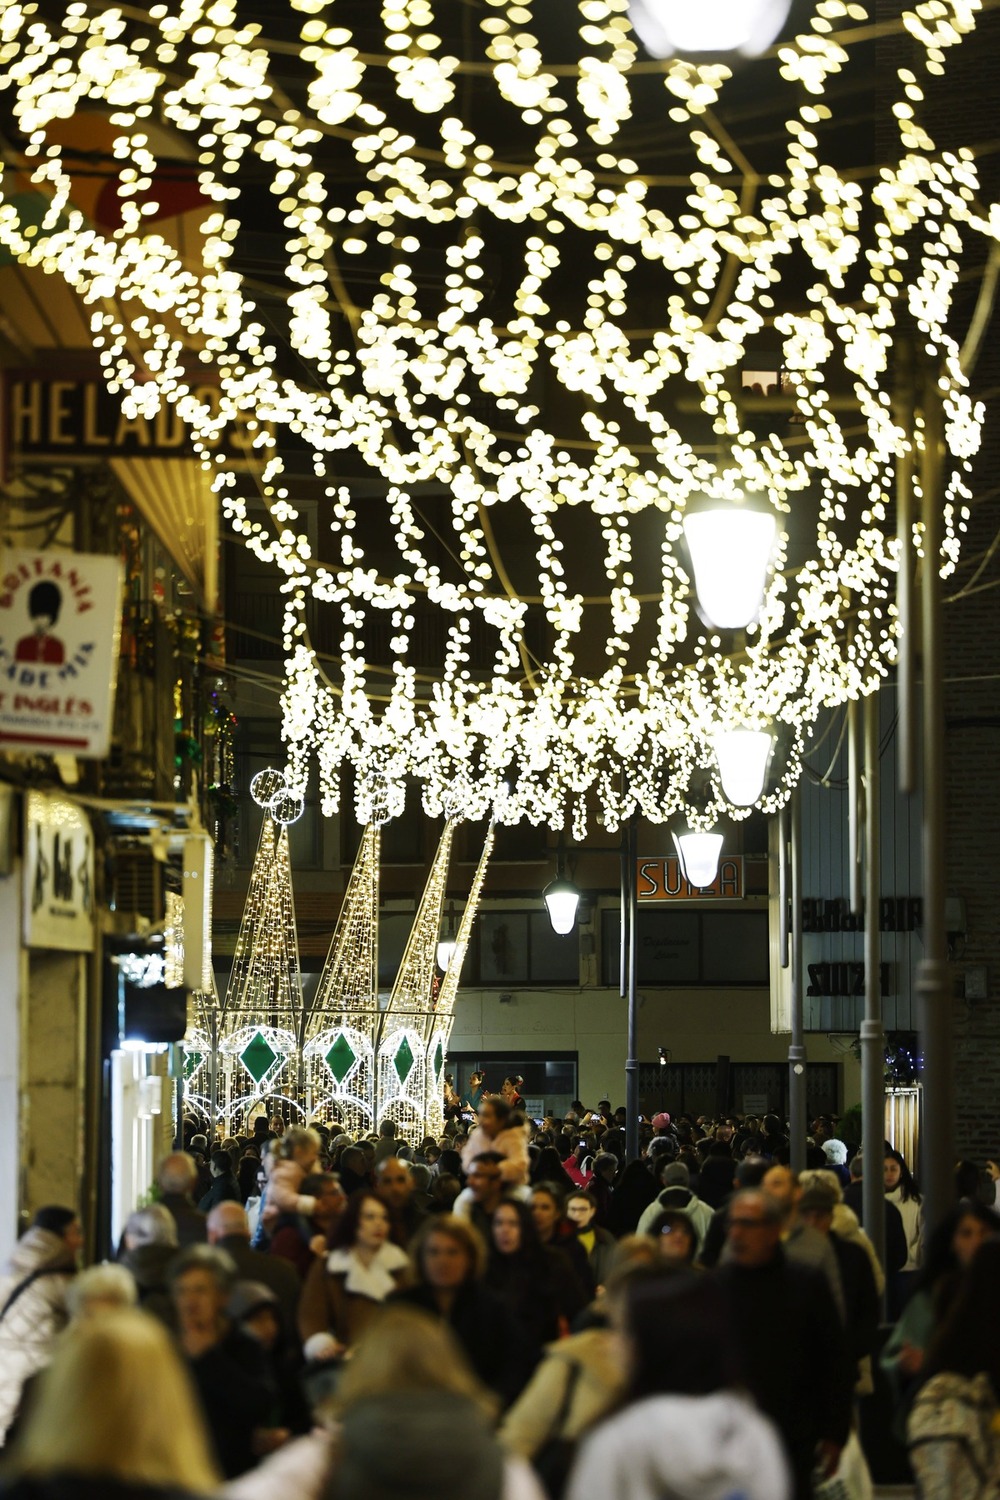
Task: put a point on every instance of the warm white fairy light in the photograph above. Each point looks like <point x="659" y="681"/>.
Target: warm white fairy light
<point x="393" y="378"/>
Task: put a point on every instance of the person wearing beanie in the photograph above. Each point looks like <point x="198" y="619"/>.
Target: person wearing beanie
<point x="676" y="1193"/>
<point x="33" y="1287"/>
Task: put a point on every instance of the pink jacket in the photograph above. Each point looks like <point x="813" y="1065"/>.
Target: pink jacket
<point x="283" y="1196"/>
<point x="511" y="1144"/>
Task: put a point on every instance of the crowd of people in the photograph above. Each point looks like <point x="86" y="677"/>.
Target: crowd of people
<point x="511" y="1310"/>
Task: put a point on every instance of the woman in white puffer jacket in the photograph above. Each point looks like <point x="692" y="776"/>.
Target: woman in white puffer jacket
<point x="686" y="1431"/>
<point x="33" y="1287"/>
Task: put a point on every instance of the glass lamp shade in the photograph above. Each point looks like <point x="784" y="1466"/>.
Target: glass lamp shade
<point x="699" y="856"/>
<point x="742" y="756"/>
<point x="666" y="27"/>
<point x="730" y="549"/>
<point x="445" y="953"/>
<point x="561" y="899"/>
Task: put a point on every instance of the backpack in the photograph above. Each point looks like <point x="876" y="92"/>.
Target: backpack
<point x="953" y="1438"/>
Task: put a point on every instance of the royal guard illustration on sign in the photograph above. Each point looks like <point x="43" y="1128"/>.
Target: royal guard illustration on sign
<point x="44" y="604"/>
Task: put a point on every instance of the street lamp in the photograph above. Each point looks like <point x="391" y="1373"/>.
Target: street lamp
<point x="730" y="548"/>
<point x="742" y="755"/>
<point x="666" y="27"/>
<point x="447" y="945"/>
<point x="699" y="856"/>
<point x="561" y="899"/>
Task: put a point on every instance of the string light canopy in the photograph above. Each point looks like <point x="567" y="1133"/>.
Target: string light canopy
<point x="485" y="299"/>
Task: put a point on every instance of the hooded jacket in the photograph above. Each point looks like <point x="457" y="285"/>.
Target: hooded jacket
<point x="688" y="1447"/>
<point x="683" y="1199"/>
<point x="42" y="1265"/>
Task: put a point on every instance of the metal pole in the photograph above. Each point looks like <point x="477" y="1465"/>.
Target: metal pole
<point x="904" y="578"/>
<point x="797" y="1122"/>
<point x="872" y="1044"/>
<point x="213" y="1076"/>
<point x="937" y="1147"/>
<point x="854" y="806"/>
<point x="630" y="903"/>
<point x="783" y="886"/>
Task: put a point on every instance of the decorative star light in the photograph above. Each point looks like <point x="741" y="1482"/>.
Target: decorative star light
<point x="567" y="398"/>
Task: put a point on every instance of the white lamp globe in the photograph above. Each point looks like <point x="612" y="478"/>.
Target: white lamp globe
<point x="699" y="855"/>
<point x="742" y="756"/>
<point x="730" y="547"/>
<point x="666" y="27"/>
<point x="561" y="899"/>
<point x="445" y="953"/>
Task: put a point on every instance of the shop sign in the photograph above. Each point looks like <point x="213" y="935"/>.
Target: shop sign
<point x="60" y="616"/>
<point x="58" y="874"/>
<point x="660" y="879"/>
<point x="74" y="420"/>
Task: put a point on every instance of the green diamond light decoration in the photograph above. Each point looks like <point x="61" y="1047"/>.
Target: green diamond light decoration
<point x="403" y="1061"/>
<point x="341" y="1058"/>
<point x="438" y="1060"/>
<point x="192" y="1062"/>
<point x="258" y="1057"/>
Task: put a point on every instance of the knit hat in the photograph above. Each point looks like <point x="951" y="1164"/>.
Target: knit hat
<point x="661" y="1121"/>
<point x="835" y="1152"/>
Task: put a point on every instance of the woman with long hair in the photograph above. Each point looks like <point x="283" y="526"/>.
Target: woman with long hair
<point x="954" y="1426"/>
<point x="114" y="1418"/>
<point x="686" y="1428"/>
<point x="901" y="1190"/>
<point x="345" y="1288"/>
<point x="950" y="1252"/>
<point x="449" y="1262"/>
<point x="548" y="1209"/>
<point x="534" y="1280"/>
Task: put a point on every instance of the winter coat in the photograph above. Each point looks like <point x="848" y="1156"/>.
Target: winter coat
<point x="495" y="1346"/>
<point x="684" y="1200"/>
<point x="341" y="1296"/>
<point x="912" y="1214"/>
<point x="283" y="1196"/>
<point x="42" y="1266"/>
<point x="953" y="1435"/>
<point x="224" y="1189"/>
<point x="149" y="1266"/>
<point x="579" y="1380"/>
<point x="688" y="1447"/>
<point x="511" y="1144"/>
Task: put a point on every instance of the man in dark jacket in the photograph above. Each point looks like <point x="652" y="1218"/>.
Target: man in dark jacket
<point x="224" y="1188"/>
<point x="228" y="1230"/>
<point x="229" y="1368"/>
<point x="178" y="1177"/>
<point x="789" y="1337"/>
<point x="861" y="1299"/>
<point x="150" y="1248"/>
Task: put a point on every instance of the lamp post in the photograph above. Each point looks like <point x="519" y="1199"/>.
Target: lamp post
<point x="562" y="900"/>
<point x="872" y="1041"/>
<point x="797" y="1050"/>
